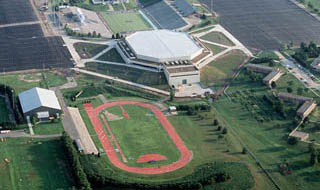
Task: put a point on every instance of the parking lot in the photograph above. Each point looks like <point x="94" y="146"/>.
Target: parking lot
<point x="266" y="24"/>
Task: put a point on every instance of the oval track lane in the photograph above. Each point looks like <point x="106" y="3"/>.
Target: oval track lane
<point x="185" y="154"/>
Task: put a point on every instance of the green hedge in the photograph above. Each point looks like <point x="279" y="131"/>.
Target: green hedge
<point x="219" y="175"/>
<point x="73" y="159"/>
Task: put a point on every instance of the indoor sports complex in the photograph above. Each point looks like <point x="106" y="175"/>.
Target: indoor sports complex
<point x="175" y="53"/>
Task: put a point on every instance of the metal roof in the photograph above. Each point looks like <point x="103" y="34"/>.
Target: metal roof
<point x="163" y="44"/>
<point x="38" y="97"/>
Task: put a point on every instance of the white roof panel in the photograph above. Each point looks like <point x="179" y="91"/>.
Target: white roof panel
<point x="163" y="44"/>
<point x="37" y="97"/>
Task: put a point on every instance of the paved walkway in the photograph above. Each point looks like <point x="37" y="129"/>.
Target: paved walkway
<point x="21" y="133"/>
<point x="122" y="81"/>
<point x="20" y="23"/>
<point x="88" y="145"/>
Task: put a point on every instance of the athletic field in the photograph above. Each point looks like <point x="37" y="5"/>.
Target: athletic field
<point x="125" y="22"/>
<point x="138" y="138"/>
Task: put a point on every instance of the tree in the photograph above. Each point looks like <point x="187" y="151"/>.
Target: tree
<point x="94" y="34"/>
<point x="314" y="157"/>
<point x="244" y="150"/>
<point x="289" y="90"/>
<point x="299" y="91"/>
<point x="112" y="36"/>
<point x="219" y="128"/>
<point x="172" y="94"/>
<point x="89" y="34"/>
<point x="224" y="131"/>
<point x="292" y="141"/>
<point x="215" y="122"/>
<point x="273" y="85"/>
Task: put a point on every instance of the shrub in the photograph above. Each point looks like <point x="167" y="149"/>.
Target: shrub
<point x="224" y="131"/>
<point x="292" y="141"/>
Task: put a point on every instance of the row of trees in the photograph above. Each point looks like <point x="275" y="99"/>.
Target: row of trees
<point x="73" y="158"/>
<point x="207" y="174"/>
<point x="70" y="32"/>
<point x="305" y="52"/>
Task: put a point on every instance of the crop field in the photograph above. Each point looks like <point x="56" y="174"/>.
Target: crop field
<point x="16" y="11"/>
<point x="266" y="24"/>
<point x="33" y="164"/>
<point x="125" y="22"/>
<point x="217" y="37"/>
<point x="4" y="113"/>
<point x="26" y="48"/>
<point x="218" y="71"/>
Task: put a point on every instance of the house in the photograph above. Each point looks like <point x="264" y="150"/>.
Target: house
<point x="300" y="135"/>
<point x="306" y="109"/>
<point x="37" y="101"/>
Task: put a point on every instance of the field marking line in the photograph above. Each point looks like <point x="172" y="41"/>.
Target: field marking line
<point x="185" y="154"/>
<point x="114" y="138"/>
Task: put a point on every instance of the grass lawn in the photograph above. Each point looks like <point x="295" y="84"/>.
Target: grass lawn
<point x="125" y="22"/>
<point x="22" y="82"/>
<point x="87" y="4"/>
<point x="48" y="128"/>
<point x="214" y="48"/>
<point x="217" y="37"/>
<point x="112" y="56"/>
<point x="55" y="79"/>
<point x="218" y="71"/>
<point x="131" y="5"/>
<point x="157" y="80"/>
<point x="198" y="133"/>
<point x="4" y="112"/>
<point x="142" y="134"/>
<point x="35" y="164"/>
<point x="88" y="50"/>
<point x="267" y="139"/>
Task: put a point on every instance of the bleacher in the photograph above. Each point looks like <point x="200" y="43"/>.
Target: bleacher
<point x="163" y="16"/>
<point x="184" y="7"/>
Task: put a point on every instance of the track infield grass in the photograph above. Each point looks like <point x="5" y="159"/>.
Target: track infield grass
<point x="125" y="22"/>
<point x="141" y="134"/>
<point x="34" y="164"/>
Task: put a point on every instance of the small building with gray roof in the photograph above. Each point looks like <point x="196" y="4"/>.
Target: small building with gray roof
<point x="38" y="100"/>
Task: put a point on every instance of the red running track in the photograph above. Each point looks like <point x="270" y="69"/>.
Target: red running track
<point x="124" y="113"/>
<point x="185" y="154"/>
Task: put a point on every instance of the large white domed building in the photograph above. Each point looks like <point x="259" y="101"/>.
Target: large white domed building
<point x="176" y="53"/>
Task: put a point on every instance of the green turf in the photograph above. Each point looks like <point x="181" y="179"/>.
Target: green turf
<point x="55" y="79"/>
<point x="34" y="164"/>
<point x="4" y="112"/>
<point x="112" y="56"/>
<point x="217" y="37"/>
<point x="218" y="71"/>
<point x="201" y="137"/>
<point x="87" y="4"/>
<point x="214" y="48"/>
<point x="267" y="139"/>
<point x="142" y="134"/>
<point x="131" y="5"/>
<point x="88" y="50"/>
<point x="125" y="22"/>
<point x="48" y="128"/>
